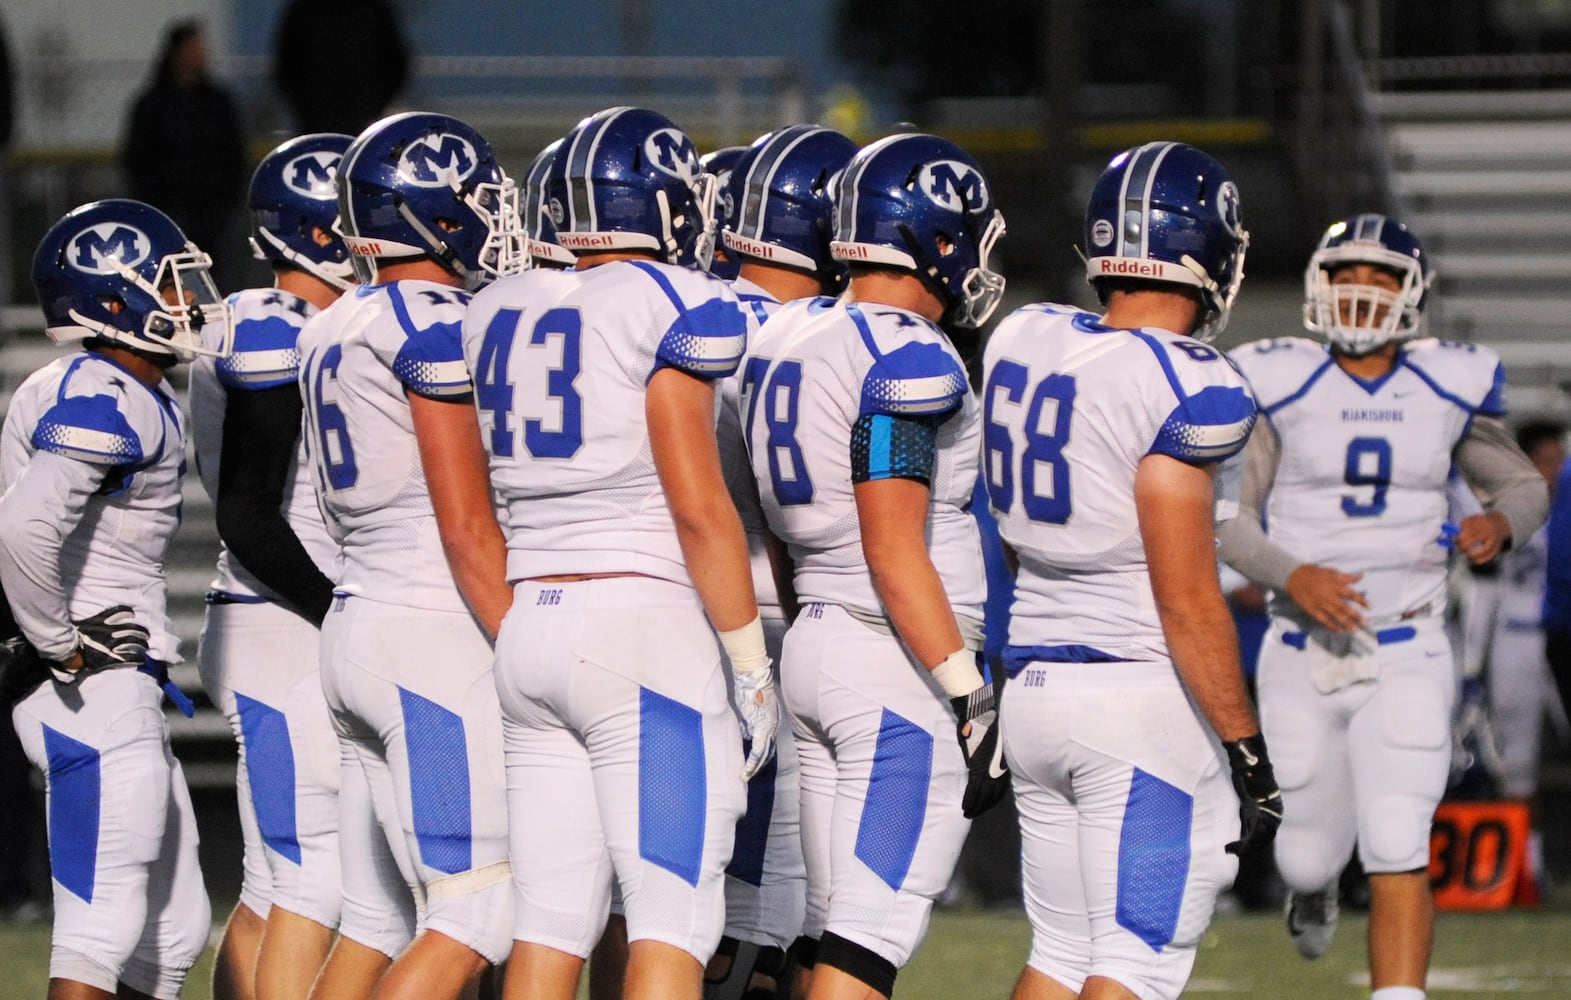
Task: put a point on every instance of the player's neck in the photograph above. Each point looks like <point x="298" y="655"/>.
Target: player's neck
<point x="419" y="269"/>
<point x="1376" y="364"/>
<point x="588" y="260"/>
<point x="305" y="285"/>
<point x="783" y="283"/>
<point x="1150" y="308"/>
<point x="900" y="289"/>
<point x="147" y="371"/>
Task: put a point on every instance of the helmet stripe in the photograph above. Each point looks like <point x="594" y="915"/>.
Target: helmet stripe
<point x="852" y="182"/>
<point x="1135" y="195"/>
<point x="580" y="186"/>
<point x="763" y="171"/>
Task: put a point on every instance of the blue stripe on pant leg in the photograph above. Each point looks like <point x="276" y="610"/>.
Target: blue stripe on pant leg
<point x="672" y="785"/>
<point x="270" y="766"/>
<point x="896" y="802"/>
<point x="438" y="783"/>
<point x="74" y="803"/>
<point x="1153" y="858"/>
<point x="752" y="830"/>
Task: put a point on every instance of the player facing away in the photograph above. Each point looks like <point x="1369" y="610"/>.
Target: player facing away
<point x="864" y="438"/>
<point x="539" y="230"/>
<point x="1104" y="435"/>
<point x="596" y="394"/>
<point x="258" y="649"/>
<point x="1343" y="503"/>
<point x="406" y="647"/>
<point x="777" y="228"/>
<point x="91" y="460"/>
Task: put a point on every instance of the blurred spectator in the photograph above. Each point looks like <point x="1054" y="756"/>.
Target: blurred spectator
<point x="182" y="149"/>
<point x="339" y="63"/>
<point x="7" y="126"/>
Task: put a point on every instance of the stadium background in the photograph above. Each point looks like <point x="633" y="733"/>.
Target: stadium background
<point x="1454" y="115"/>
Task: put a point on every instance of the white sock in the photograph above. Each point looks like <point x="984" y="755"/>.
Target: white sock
<point x="1397" y="993"/>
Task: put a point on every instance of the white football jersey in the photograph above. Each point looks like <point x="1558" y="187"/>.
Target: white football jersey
<point x="361" y="357"/>
<point x="758" y="305"/>
<point x="1361" y="482"/>
<point x="561" y="362"/>
<point x="1071" y="408"/>
<point x="816" y="368"/>
<point x="86" y="407"/>
<point x="265" y="355"/>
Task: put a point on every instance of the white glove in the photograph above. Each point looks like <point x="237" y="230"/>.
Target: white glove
<point x="753" y="693"/>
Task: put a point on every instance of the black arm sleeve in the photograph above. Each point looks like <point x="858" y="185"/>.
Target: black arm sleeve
<point x="261" y="430"/>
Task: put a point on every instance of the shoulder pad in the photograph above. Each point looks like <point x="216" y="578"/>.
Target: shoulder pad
<point x="426" y="352"/>
<point x="1469" y="375"/>
<point x="914" y="380"/>
<point x="1279" y="367"/>
<point x="265" y="353"/>
<point x="708" y="334"/>
<point x="1214" y="410"/>
<point x="89" y="429"/>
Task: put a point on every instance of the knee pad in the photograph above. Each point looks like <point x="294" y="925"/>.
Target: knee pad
<point x="1394" y="836"/>
<point x="474" y="908"/>
<point x="747" y="958"/>
<point x="859" y="962"/>
<point x="1305" y="863"/>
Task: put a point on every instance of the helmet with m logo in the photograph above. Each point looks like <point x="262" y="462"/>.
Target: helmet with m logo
<point x="920" y="203"/>
<point x="294" y="207"/>
<point x="427" y="185"/>
<point x="122" y="271"/>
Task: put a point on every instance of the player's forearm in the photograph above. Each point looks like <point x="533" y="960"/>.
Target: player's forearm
<point x="714" y="549"/>
<point x="1243" y="544"/>
<point x="477" y="557"/>
<point x="1504" y="478"/>
<point x="916" y="602"/>
<point x="1203" y="643"/>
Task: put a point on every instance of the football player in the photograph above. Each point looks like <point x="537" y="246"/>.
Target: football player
<point x="544" y="250"/>
<point x="596" y="393"/>
<point x="864" y="436"/>
<point x="720" y="163"/>
<point x="777" y="225"/>
<point x="258" y="649"/>
<point x="1355" y="678"/>
<point x="428" y="216"/>
<point x="91" y="460"/>
<point x="1104" y="434"/>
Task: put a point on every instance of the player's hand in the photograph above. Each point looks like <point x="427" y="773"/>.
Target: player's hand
<point x="1482" y="537"/>
<point x="1327" y="596"/>
<point x="110" y="638"/>
<point x="1259" y="798"/>
<point x="988" y="777"/>
<point x="758" y="704"/>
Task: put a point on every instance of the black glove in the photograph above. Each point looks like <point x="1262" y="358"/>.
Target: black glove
<point x="110" y="638"/>
<point x="1259" y="798"/>
<point x="21" y="671"/>
<point x="988" y="779"/>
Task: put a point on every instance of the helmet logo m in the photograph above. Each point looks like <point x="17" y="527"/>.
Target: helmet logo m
<point x="953" y="186"/>
<point x="311" y="174"/>
<point x="672" y="153"/>
<point x="440" y="160"/>
<point x="94" y="248"/>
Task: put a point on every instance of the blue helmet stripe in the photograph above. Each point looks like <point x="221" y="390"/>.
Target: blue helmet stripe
<point x="580" y="185"/>
<point x="1135" y="195"/>
<point x="852" y="182"/>
<point x="762" y="173"/>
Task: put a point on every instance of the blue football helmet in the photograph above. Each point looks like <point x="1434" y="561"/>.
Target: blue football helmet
<point x="544" y="250"/>
<point x="122" y="271"/>
<point x="784" y="209"/>
<point x="1168" y="213"/>
<point x="420" y="184"/>
<point x="719" y="165"/>
<point x="1359" y="318"/>
<point x="628" y="179"/>
<point x="921" y="204"/>
<point x="292" y="197"/>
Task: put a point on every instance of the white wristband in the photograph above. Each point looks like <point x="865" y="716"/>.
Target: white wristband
<point x="958" y="675"/>
<point x="744" y="647"/>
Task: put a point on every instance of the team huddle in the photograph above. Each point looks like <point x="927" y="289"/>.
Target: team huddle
<point x="601" y="583"/>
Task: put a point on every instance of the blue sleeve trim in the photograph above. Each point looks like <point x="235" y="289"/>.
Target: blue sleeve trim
<point x="914" y="380"/>
<point x="431" y="360"/>
<point x="89" y="429"/>
<point x="1494" y="404"/>
<point x="1210" y="426"/>
<point x="1451" y="397"/>
<point x="889" y="447"/>
<point x="1299" y="393"/>
<point x="707" y="340"/>
<point x="264" y="355"/>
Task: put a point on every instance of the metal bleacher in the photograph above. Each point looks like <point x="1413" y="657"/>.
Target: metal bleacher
<point x="203" y="742"/>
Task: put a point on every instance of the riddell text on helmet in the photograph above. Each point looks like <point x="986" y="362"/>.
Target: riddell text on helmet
<point x="1123" y="265"/>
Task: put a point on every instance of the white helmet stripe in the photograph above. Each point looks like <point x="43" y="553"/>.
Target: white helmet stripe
<point x="768" y="163"/>
<point x="1135" y="195"/>
<point x="580" y="185"/>
<point x="846" y="231"/>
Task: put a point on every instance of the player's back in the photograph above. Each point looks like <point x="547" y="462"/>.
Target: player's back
<point x="1360" y="483"/>
<point x="362" y="357"/>
<point x="817" y="368"/>
<point x="562" y="361"/>
<point x="1071" y="409"/>
<point x="86" y="407"/>
<point x="265" y="355"/>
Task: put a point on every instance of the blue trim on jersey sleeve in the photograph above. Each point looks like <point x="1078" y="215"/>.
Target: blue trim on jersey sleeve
<point x="707" y="340"/>
<point x="439" y="789"/>
<point x="896" y="802"/>
<point x="89" y="429"/>
<point x="1494" y="404"/>
<point x="889" y="447"/>
<point x="1210" y="426"/>
<point x="671" y="809"/>
<point x="264" y="355"/>
<point x="914" y="380"/>
<point x="1153" y="858"/>
<point x="431" y="359"/>
<point x="1302" y="390"/>
<point x="270" y="766"/>
<point x="75" y="801"/>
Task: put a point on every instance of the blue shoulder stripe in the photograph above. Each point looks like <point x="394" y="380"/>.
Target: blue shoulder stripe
<point x="89" y="429"/>
<point x="1210" y="426"/>
<point x="1494" y="400"/>
<point x="1298" y="393"/>
<point x="914" y="380"/>
<point x="431" y="360"/>
<point x="708" y="339"/>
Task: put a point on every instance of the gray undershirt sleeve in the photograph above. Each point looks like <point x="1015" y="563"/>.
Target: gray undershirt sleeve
<point x="1502" y="477"/>
<point x="1242" y="542"/>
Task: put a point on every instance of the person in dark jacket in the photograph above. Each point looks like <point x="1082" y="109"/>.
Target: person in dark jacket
<point x="339" y="63"/>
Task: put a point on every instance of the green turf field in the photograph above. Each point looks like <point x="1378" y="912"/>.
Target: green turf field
<point x="977" y="955"/>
